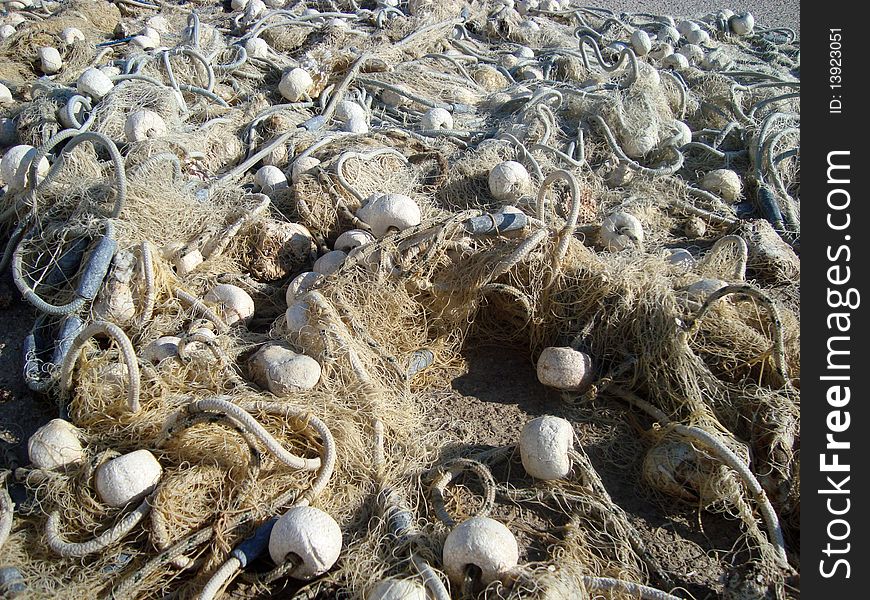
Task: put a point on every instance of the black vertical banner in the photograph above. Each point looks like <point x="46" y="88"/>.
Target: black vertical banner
<point x="835" y="425"/>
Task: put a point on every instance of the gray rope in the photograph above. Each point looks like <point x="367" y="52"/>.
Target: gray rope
<point x="67" y="549"/>
<point x="656" y="172"/>
<point x="127" y="351"/>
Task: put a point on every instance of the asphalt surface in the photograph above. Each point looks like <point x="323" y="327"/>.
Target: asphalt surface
<point x="769" y="13"/>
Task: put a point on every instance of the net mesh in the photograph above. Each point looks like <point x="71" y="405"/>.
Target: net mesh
<point x="159" y="223"/>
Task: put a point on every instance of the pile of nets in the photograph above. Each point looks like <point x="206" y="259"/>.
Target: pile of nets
<point x="259" y="237"/>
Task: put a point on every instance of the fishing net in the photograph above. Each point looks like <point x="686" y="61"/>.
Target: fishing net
<point x="162" y="265"/>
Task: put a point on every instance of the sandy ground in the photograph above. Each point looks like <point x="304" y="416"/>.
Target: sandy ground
<point x="769" y="13"/>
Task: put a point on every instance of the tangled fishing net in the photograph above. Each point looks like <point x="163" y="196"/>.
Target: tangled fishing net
<point x="209" y="198"/>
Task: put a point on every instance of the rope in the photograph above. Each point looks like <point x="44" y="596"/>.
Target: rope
<point x="246" y="421"/>
<point x="127" y="352"/>
<point x="447" y="473"/>
<point x="727" y="456"/>
<point x="691" y="323"/>
<point x="62" y="547"/>
<point x="657" y="172"/>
